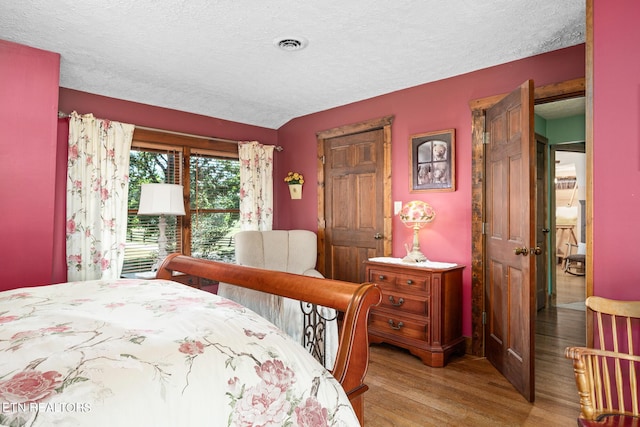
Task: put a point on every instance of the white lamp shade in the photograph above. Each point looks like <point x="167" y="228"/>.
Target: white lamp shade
<point x="161" y="199"/>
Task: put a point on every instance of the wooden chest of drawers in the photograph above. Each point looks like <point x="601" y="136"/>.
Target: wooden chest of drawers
<point x="421" y="310"/>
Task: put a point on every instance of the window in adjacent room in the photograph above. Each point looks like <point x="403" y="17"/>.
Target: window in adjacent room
<point x="209" y="170"/>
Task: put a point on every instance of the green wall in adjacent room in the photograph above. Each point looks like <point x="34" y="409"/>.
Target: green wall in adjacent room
<point x="557" y="131"/>
<point x="540" y="125"/>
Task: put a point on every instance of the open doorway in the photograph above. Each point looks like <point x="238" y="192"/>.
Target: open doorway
<point x="568" y="286"/>
<point x="562" y="123"/>
<point x="561" y="320"/>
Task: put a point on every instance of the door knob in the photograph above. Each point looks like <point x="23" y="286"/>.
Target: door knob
<point x="521" y="251"/>
<point x="545" y="230"/>
<point x="535" y="251"/>
<point x="377" y="236"/>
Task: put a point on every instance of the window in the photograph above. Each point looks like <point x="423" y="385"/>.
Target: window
<point x="209" y="170"/>
<point x="214" y="206"/>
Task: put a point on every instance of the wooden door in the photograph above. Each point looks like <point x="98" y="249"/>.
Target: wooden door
<point x="542" y="223"/>
<point x="353" y="190"/>
<point x="356" y="207"/>
<point x="510" y="217"/>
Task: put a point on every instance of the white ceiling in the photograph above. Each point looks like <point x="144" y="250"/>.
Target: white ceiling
<point x="560" y="109"/>
<point x="217" y="58"/>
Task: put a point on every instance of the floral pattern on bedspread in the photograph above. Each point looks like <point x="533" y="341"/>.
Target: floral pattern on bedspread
<point x="155" y="353"/>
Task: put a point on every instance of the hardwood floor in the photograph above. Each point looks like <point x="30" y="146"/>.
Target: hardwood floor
<point x="469" y="391"/>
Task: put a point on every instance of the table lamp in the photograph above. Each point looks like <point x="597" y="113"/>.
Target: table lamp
<point x="161" y="199"/>
<point x="416" y="214"/>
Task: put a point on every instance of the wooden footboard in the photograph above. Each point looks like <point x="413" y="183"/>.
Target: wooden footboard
<point x="354" y="300"/>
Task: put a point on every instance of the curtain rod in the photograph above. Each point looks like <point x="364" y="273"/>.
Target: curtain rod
<point x="62" y="115"/>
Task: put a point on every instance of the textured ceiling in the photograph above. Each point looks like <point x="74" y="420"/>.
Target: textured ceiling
<point x="561" y="109"/>
<point x="217" y="58"/>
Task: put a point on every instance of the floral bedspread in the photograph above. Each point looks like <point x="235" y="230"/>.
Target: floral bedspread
<point x="154" y="353"/>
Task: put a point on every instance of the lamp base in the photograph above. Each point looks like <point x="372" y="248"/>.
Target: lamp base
<point x="162" y="243"/>
<point x="414" y="254"/>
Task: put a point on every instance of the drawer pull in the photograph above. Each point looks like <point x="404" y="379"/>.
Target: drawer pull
<point x="409" y="282"/>
<point x="381" y="277"/>
<point x="397" y="327"/>
<point x="394" y="303"/>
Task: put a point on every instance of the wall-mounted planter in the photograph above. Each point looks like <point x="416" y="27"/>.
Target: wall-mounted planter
<point x="295" y="190"/>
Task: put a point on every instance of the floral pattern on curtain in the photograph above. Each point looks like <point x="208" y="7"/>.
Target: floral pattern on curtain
<point x="97" y="191"/>
<point x="256" y="185"/>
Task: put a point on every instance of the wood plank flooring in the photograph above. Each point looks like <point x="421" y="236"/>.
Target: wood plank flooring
<point x="469" y="391"/>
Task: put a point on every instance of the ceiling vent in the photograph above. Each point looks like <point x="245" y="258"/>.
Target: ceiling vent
<point x="290" y="44"/>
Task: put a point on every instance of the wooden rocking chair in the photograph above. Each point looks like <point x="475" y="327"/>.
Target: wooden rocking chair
<point x="607" y="378"/>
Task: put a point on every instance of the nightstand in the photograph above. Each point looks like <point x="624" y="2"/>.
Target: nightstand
<point x="421" y="309"/>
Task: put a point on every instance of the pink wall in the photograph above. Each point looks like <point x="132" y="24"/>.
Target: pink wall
<point x="616" y="135"/>
<point x="29" y="87"/>
<point x="161" y="118"/>
<point x="429" y="107"/>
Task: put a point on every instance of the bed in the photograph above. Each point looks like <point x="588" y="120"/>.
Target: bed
<point x="157" y="352"/>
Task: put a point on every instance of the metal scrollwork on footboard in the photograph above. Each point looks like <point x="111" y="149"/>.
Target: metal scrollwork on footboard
<point x="315" y="327"/>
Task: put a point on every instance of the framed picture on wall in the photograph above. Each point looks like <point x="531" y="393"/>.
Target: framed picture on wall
<point x="432" y="161"/>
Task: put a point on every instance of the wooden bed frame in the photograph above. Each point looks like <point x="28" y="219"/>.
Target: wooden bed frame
<point x="352" y="299"/>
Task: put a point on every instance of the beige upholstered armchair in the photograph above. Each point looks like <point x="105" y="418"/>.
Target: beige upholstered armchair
<point x="291" y="251"/>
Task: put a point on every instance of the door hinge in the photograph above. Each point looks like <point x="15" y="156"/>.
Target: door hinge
<point x="322" y="159"/>
<point x="486" y="138"/>
<point x="485" y="226"/>
<point x="484" y="317"/>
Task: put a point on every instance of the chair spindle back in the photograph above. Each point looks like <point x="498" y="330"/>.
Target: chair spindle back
<point x="606" y="377"/>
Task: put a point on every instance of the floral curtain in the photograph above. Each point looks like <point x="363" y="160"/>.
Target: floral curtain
<point x="256" y="185"/>
<point x="97" y="191"/>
